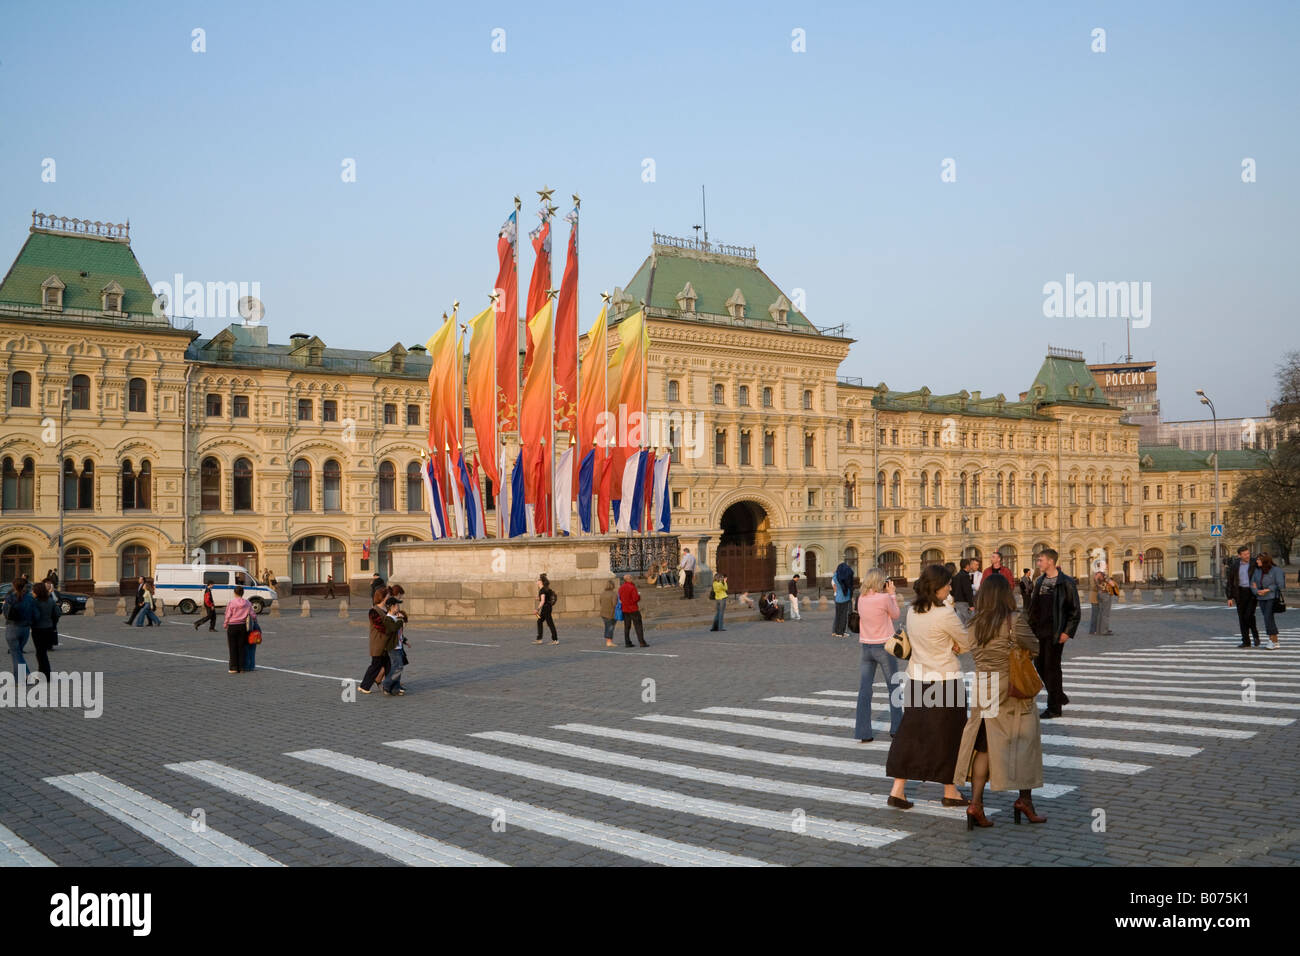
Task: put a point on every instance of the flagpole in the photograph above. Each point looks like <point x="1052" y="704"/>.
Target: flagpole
<point x="644" y="347"/>
<point x="501" y="519"/>
<point x="550" y="477"/>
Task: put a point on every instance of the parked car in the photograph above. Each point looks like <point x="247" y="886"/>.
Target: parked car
<point x="68" y="603"/>
<point x="181" y="586"/>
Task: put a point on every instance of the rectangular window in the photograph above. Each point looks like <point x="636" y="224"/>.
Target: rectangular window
<point x="1146" y="522"/>
<point x="304" y="409"/>
<point x="720" y="447"/>
<point x="893" y="436"/>
<point x="808" y="451"/>
<point x="390" y="414"/>
<point x="848" y="432"/>
<point x="880" y="437"/>
<point x="412" y="414"/>
<point x="812" y="497"/>
<point x="677" y="500"/>
<point x="925" y="525"/>
<point x="896" y="525"/>
<point x="744" y="448"/>
<point x="1160" y="492"/>
<point x="1193" y="520"/>
<point x="1146" y="492"/>
<point x="329" y="410"/>
<point x="239" y="406"/>
<point x="925" y="438"/>
<point x="212" y="406"/>
<point x="1160" y="522"/>
<point x="769" y="448"/>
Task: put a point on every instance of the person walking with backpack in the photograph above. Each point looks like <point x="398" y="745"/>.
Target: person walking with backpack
<point x="209" y="609"/>
<point x="1266" y="583"/>
<point x="630" y="598"/>
<point x="843" y="579"/>
<point x="44" y="625"/>
<point x="19" y="613"/>
<point x="545" y="603"/>
<point x="607" y="612"/>
<point x="719" y="601"/>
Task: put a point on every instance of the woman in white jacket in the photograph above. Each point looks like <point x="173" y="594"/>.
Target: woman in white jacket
<point x="934" y="703"/>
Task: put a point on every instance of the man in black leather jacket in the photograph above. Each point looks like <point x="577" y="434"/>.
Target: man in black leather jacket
<point x="1054" y="613"/>
<point x="1241" y="596"/>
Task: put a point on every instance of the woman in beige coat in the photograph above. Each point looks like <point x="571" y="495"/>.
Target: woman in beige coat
<point x="1001" y="743"/>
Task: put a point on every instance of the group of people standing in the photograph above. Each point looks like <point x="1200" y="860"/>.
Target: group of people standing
<point x="31" y="612"/>
<point x="933" y="736"/>
<point x="621" y="602"/>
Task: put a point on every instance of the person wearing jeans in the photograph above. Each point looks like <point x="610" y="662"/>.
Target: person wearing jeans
<point x="146" y="609"/>
<point x="19" y="615"/>
<point x="1266" y="584"/>
<point x="606" y="599"/>
<point x="877" y="612"/>
<point x="719" y="601"/>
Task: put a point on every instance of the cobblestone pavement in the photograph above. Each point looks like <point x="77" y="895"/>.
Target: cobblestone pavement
<point x="732" y="747"/>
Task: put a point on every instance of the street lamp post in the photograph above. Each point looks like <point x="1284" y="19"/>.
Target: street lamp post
<point x="63" y="485"/>
<point x="1205" y="400"/>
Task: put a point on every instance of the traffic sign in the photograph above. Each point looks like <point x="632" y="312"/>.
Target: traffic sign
<point x="1216" y="531"/>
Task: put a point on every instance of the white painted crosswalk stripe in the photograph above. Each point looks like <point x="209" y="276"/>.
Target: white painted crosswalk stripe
<point x="1099" y="708"/>
<point x="601" y="836"/>
<point x="827" y="721"/>
<point x="1116" y="670"/>
<point x="396" y="843"/>
<point x="739" y="781"/>
<point x="171" y="829"/>
<point x="838" y="831"/>
<point x="1135" y="692"/>
<point x="15" y="851"/>
<point x="817" y="763"/>
<point x="826" y="740"/>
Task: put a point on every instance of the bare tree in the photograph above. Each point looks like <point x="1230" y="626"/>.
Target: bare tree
<point x="1265" y="506"/>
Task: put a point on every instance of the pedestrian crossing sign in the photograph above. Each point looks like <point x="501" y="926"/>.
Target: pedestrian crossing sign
<point x="1216" y="531"/>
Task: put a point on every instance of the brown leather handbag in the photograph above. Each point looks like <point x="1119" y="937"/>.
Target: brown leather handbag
<point x="1025" y="682"/>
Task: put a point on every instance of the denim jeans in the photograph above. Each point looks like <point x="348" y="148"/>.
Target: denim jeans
<point x="147" y="613"/>
<point x="1095" y="616"/>
<point x="609" y="628"/>
<point x="250" y="657"/>
<point x="393" y="679"/>
<point x="16" y="636"/>
<point x="873" y="656"/>
<point x="1266" y="608"/>
<point x="720" y="613"/>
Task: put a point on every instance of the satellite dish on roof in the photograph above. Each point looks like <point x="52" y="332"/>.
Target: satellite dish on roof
<point x="252" y="310"/>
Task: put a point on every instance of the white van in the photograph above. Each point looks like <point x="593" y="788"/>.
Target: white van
<point x="181" y="586"/>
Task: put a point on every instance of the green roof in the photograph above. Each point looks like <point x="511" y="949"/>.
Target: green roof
<point x="85" y="265"/>
<point x="1065" y="379"/>
<point x="961" y="403"/>
<point x="1173" y="458"/>
<point x="715" y="277"/>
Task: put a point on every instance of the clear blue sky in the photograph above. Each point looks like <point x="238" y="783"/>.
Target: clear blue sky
<point x="1123" y="165"/>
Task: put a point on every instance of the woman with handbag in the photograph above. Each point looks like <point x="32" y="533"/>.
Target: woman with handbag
<point x="877" y="612"/>
<point x="1002" y="744"/>
<point x="1266" y="583"/>
<point x="236" y="621"/>
<point x="934" y="703"/>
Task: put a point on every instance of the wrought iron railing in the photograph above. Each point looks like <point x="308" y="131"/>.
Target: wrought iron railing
<point x="81" y="227"/>
<point x="701" y="245"/>
<point x="635" y="555"/>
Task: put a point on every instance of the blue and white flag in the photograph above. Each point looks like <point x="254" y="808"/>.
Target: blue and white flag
<point x="437" y="524"/>
<point x="563" y="496"/>
<point x="586" y="478"/>
<point x="662" y="510"/>
<point x="455" y="496"/>
<point x="470" y="496"/>
<point x="626" y="506"/>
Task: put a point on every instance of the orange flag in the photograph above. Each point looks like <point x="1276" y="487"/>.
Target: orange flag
<point x="566" y="340"/>
<point x="540" y="282"/>
<point x="591" y="400"/>
<point x="535" y="410"/>
<point x="481" y="389"/>
<point x="507" y="337"/>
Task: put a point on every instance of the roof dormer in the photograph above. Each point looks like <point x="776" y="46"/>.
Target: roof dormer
<point x="222" y="346"/>
<point x="394" y="360"/>
<point x="736" y="305"/>
<point x="308" y="350"/>
<point x="780" y="310"/>
<point x="52" y="294"/>
<point x="110" y="298"/>
<point x="686" y="298"/>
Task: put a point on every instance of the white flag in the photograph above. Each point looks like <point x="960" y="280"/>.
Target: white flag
<point x="564" y="492"/>
<point x="635" y="462"/>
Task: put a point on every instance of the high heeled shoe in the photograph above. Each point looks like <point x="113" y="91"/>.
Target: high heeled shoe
<point x="975" y="818"/>
<point x="957" y="801"/>
<point x="1027" y="808"/>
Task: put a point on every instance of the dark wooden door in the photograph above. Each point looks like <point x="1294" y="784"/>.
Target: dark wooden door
<point x="810" y="568"/>
<point x="748" y="567"/>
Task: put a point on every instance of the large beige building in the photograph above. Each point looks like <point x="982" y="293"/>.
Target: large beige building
<point x="304" y="459"/>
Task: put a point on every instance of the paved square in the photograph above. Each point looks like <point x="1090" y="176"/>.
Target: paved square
<point x="705" y="748"/>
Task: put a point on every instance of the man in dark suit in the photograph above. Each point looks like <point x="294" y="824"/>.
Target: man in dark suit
<point x="963" y="590"/>
<point x="1236" y="585"/>
<point x="1054" y="613"/>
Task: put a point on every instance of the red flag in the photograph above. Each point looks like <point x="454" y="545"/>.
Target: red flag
<point x="535" y="409"/>
<point x="540" y="282"/>
<point x="507" y="309"/>
<point x="605" y="463"/>
<point x="566" y="341"/>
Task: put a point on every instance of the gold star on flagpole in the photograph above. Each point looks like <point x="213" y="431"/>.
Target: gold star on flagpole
<point x="518" y="204"/>
<point x="545" y="193"/>
<point x="577" y="202"/>
<point x="455" y="307"/>
<point x="605" y="297"/>
<point x="552" y="293"/>
<point x="493" y="296"/>
<point x="551" y="210"/>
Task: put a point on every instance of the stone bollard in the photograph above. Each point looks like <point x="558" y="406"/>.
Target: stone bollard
<point x="1198" y="594"/>
<point x="1158" y="595"/>
<point x="1137" y="595"/>
<point x="90" y="607"/>
<point x="1119" y="598"/>
<point x="121" y="606"/>
<point x="1178" y="595"/>
<point x="821" y="603"/>
<point x="275" y="609"/>
<point x="306" y="608"/>
<point x="343" y="609"/>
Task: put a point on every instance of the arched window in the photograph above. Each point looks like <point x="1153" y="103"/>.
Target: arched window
<point x="80" y="397"/>
<point x="77" y="567"/>
<point x="136" y="486"/>
<point x="243" y="474"/>
<point x="86" y="486"/>
<point x="1033" y="489"/>
<point x="973" y="552"/>
<point x="20" y="391"/>
<point x="317" y="557"/>
<point x="302" y="485"/>
<point x="137" y="396"/>
<point x="880" y="489"/>
<point x="384" y="553"/>
<point x="1009" y="556"/>
<point x="332" y="480"/>
<point x="16" y="559"/>
<point x="231" y="551"/>
<point x="767" y="398"/>
<point x="1042" y="490"/>
<point x="851" y="558"/>
<point x="1011" y="489"/>
<point x="896" y="490"/>
<point x="135" y="564"/>
<point x="807" y="399"/>
<point x="891" y="562"/>
<point x="1187" y="562"/>
<point x="850" y="492"/>
<point x="387" y="486"/>
<point x="1153" y="564"/>
<point x="925" y="490"/>
<point x="961" y="491"/>
<point x="931" y="556"/>
<point x="743" y="398"/>
<point x="414" y="487"/>
<point x="674" y="390"/>
<point x="938" y="490"/>
<point x="809" y="450"/>
<point x="719" y="395"/>
<point x="18" y="486"/>
<point x="210" y="485"/>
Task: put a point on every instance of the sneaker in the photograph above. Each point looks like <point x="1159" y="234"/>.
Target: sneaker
<point x="554" y="642"/>
<point x="538" y="641"/>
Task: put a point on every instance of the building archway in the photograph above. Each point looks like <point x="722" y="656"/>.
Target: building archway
<point x="745" y="553"/>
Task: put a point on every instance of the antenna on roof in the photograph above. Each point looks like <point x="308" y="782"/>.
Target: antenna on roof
<point x="704" y="209"/>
